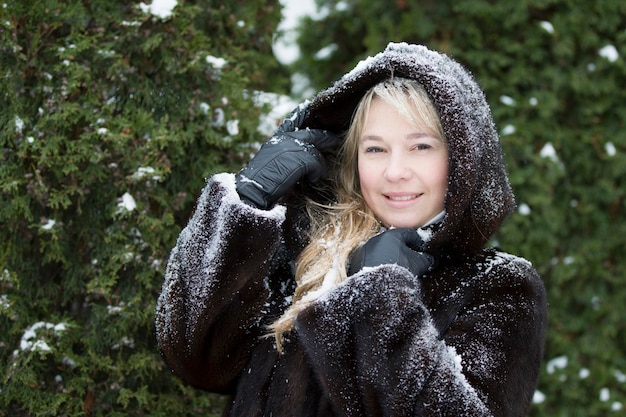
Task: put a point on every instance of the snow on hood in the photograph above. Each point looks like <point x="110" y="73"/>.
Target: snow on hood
<point x="479" y="194"/>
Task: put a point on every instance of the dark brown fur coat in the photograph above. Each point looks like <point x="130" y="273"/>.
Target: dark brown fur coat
<point x="466" y="339"/>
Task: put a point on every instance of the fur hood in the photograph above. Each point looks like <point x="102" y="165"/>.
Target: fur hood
<point x="479" y="195"/>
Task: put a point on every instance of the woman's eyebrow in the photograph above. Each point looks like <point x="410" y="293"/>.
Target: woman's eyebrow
<point x="375" y="138"/>
<point x="420" y="135"/>
<point x="410" y="136"/>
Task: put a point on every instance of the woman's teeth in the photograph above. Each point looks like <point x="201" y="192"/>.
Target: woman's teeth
<point x="402" y="197"/>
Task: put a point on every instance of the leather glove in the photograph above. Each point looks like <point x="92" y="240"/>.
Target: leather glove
<point x="399" y="246"/>
<point x="288" y="156"/>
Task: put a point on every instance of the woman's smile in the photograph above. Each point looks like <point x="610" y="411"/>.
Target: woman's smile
<point x="401" y="197"/>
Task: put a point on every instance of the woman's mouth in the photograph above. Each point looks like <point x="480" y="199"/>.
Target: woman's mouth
<point x="401" y="197"/>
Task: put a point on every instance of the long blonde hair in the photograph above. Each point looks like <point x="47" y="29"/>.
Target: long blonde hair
<point x="337" y="229"/>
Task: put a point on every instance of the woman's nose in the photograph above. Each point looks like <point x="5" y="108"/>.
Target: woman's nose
<point x="398" y="169"/>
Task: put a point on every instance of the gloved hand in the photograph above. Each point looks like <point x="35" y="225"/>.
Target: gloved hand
<point x="395" y="246"/>
<point x="288" y="156"/>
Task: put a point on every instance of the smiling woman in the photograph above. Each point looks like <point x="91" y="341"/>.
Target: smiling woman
<point x="373" y="295"/>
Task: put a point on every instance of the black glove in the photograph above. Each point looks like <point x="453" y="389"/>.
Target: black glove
<point x="395" y="246"/>
<point x="288" y="156"/>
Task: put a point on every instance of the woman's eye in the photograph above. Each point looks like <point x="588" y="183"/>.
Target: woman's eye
<point x="422" y="146"/>
<point x="373" y="149"/>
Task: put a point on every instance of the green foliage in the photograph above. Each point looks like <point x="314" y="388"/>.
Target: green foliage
<point x="549" y="73"/>
<point x="110" y="119"/>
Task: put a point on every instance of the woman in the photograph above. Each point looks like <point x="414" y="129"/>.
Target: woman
<point x="369" y="293"/>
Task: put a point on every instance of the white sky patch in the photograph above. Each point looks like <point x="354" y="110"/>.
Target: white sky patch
<point x="609" y="52"/>
<point x="285" y="48"/>
<point x="279" y="106"/>
<point x="159" y="8"/>
<point x="301" y="85"/>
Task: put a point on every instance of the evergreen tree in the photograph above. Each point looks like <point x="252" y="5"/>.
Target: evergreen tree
<point x="553" y="73"/>
<point x="112" y="114"/>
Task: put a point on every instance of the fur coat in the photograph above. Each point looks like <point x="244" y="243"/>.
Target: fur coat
<point x="465" y="339"/>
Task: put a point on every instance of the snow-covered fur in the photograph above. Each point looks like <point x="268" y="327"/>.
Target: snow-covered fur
<point x="464" y="340"/>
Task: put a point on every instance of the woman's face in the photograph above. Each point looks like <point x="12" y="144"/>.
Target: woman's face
<point x="403" y="170"/>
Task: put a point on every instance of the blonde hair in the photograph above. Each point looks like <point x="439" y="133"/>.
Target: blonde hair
<point x="337" y="229"/>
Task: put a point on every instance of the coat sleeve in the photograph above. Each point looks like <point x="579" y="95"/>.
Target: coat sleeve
<point x="214" y="293"/>
<point x="376" y="351"/>
<point x="499" y="334"/>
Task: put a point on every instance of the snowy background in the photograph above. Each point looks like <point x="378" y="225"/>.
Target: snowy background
<point x="285" y="48"/>
<point x="286" y="51"/>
